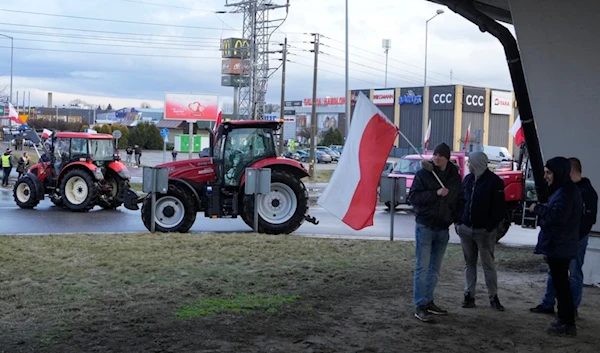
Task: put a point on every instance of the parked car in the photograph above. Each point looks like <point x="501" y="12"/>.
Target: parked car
<point x="389" y="166"/>
<point x="497" y="153"/>
<point x="323" y="157"/>
<point x="335" y="156"/>
<point x="304" y="155"/>
<point x="292" y="155"/>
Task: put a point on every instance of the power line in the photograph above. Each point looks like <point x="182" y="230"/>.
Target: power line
<point x="202" y="48"/>
<point x="331" y="72"/>
<point x="121" y="54"/>
<point x="115" y="21"/>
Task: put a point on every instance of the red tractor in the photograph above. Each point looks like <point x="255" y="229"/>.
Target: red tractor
<point x="215" y="184"/>
<point x="80" y="170"/>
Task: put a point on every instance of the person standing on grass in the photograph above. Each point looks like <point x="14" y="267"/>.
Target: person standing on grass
<point x="484" y="210"/>
<point x="590" y="208"/>
<point x="558" y="239"/>
<point x="436" y="207"/>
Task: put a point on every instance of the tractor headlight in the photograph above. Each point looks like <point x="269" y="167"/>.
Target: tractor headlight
<point x="98" y="174"/>
<point x="124" y="174"/>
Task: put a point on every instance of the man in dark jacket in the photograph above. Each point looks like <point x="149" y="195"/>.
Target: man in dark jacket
<point x="436" y="207"/>
<point x="484" y="210"/>
<point x="558" y="240"/>
<point x="588" y="219"/>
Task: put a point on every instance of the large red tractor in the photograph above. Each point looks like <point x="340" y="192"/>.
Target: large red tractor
<point x="215" y="184"/>
<point x="81" y="171"/>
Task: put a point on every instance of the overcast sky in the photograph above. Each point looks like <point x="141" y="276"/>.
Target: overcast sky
<point x="125" y="64"/>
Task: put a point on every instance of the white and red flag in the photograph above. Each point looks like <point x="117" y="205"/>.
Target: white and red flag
<point x="351" y="194"/>
<point x="427" y="136"/>
<point x="517" y="131"/>
<point x="467" y="136"/>
<point x="46" y="133"/>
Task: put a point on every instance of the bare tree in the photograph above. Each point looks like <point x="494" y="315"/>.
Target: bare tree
<point x="4" y="93"/>
<point x="272" y="108"/>
<point x="77" y="102"/>
<point x="145" y="105"/>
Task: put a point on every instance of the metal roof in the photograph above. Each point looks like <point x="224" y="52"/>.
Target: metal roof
<point x="496" y="9"/>
<point x="169" y="124"/>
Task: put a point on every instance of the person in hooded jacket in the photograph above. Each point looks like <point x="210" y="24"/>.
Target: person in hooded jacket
<point x="436" y="207"/>
<point x="590" y="208"/>
<point x="558" y="239"/>
<point x="485" y="208"/>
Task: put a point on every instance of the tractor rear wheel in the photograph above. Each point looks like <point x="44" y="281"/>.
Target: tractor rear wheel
<point x="175" y="211"/>
<point x="25" y="193"/>
<point x="281" y="211"/>
<point x="119" y="187"/>
<point x="79" y="192"/>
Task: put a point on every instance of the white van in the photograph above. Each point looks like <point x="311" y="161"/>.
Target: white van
<point x="497" y="153"/>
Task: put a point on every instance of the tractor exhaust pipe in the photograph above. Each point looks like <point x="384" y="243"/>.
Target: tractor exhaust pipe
<point x="466" y="9"/>
<point x="212" y="141"/>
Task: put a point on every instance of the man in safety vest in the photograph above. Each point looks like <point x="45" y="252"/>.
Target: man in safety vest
<point x="7" y="164"/>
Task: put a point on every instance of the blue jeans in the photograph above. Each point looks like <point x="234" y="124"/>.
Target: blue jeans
<point x="575" y="279"/>
<point x="430" y="249"/>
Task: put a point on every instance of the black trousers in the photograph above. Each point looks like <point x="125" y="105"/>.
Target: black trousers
<point x="559" y="270"/>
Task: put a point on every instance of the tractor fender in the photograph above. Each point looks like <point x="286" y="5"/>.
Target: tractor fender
<point x="91" y="167"/>
<point x="120" y="169"/>
<point x="186" y="185"/>
<point x="289" y="165"/>
<point x="39" y="187"/>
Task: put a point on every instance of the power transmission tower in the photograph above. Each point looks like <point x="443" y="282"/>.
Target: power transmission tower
<point x="257" y="30"/>
<point x="313" y="120"/>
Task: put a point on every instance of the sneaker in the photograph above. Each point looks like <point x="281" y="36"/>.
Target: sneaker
<point x="436" y="310"/>
<point x="562" y="330"/>
<point x="495" y="304"/>
<point x="423" y="315"/>
<point x="469" y="301"/>
<point x="540" y="309"/>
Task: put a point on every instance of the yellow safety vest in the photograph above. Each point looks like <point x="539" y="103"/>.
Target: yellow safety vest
<point x="6" y="161"/>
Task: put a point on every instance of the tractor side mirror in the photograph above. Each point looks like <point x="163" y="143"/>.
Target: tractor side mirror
<point x="211" y="151"/>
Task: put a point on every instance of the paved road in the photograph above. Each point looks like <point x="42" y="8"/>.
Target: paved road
<point x="48" y="219"/>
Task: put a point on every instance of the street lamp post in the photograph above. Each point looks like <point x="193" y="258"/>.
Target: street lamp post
<point x="437" y="13"/>
<point x="11" y="69"/>
<point x="386" y="45"/>
<point x="347" y="113"/>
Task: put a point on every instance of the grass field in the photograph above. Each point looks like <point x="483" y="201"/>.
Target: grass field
<point x="323" y="176"/>
<point x="256" y="293"/>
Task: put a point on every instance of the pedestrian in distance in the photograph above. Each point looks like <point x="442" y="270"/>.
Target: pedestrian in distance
<point x="588" y="219"/>
<point x="7" y="165"/>
<point x="174" y="154"/>
<point x="438" y="201"/>
<point x="138" y="155"/>
<point x="558" y="239"/>
<point x="129" y="152"/>
<point x="23" y="164"/>
<point x="484" y="210"/>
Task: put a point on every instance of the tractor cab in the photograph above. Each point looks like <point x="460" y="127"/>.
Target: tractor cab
<point x="240" y="144"/>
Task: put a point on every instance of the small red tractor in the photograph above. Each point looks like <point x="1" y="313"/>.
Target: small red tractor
<point x="81" y="170"/>
<point x="215" y="184"/>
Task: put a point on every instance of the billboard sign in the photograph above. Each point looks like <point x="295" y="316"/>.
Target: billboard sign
<point x="441" y="98"/>
<point x="292" y="104"/>
<point x="234" y="66"/>
<point x="412" y="96"/>
<point x="235" y="48"/>
<point x="473" y="100"/>
<point x="384" y="97"/>
<point x="501" y="102"/>
<point x="191" y="107"/>
<point x="354" y="95"/>
<point x="234" y="81"/>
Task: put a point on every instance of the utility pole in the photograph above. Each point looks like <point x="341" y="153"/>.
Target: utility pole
<point x="313" y="119"/>
<point x="282" y="108"/>
<point x="386" y="45"/>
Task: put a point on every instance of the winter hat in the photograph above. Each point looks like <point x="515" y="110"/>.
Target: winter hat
<point x="443" y="150"/>
<point x="479" y="161"/>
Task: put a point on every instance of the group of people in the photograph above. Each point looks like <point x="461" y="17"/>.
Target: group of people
<point x="138" y="154"/>
<point x="23" y="164"/>
<point x="476" y="207"/>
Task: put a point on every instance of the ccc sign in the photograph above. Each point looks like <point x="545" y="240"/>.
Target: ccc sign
<point x="442" y="98"/>
<point x="475" y="100"/>
<point x="235" y="48"/>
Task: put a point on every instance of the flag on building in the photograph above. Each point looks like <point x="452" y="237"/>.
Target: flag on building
<point x="427" y="136"/>
<point x="351" y="194"/>
<point x="517" y="131"/>
<point x="467" y="136"/>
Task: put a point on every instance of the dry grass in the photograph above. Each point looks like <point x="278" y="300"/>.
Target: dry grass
<point x="219" y="293"/>
<point x="323" y="176"/>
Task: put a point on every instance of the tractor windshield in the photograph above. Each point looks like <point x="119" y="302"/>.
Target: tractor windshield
<point x="102" y="150"/>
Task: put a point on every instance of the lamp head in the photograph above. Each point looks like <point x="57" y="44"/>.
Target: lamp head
<point x="439" y="12"/>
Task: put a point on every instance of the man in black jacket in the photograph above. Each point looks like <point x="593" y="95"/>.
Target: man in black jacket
<point x="588" y="219"/>
<point x="558" y="239"/>
<point x="436" y="207"/>
<point x="484" y="210"/>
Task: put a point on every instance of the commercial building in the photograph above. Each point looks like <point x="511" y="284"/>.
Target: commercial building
<point x="451" y="109"/>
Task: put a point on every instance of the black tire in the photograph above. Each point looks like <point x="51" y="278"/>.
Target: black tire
<point x="92" y="195"/>
<point x="57" y="201"/>
<point x="177" y="195"/>
<point x="25" y="193"/>
<point x="116" y="199"/>
<point x="297" y="218"/>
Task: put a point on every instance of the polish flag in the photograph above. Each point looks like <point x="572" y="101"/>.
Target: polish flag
<point x="351" y="194"/>
<point x="517" y="131"/>
<point x="13" y="115"/>
<point x="46" y="133"/>
<point x="467" y="137"/>
<point x="219" y="120"/>
<point x="427" y="136"/>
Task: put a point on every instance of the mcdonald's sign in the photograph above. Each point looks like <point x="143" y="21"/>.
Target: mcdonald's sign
<point x="235" y="48"/>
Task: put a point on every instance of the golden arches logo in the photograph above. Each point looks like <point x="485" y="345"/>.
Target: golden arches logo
<point x="235" y="48"/>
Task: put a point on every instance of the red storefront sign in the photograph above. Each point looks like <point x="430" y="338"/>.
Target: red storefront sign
<point x="325" y="101"/>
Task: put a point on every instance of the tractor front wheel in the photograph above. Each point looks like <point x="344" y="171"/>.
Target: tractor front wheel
<point x="281" y="211"/>
<point x="25" y="193"/>
<point x="114" y="198"/>
<point x="175" y="211"/>
<point x="79" y="192"/>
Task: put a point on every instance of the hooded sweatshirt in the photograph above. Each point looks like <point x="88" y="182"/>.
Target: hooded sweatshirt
<point x="560" y="219"/>
<point x="590" y="206"/>
<point x="485" y="206"/>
